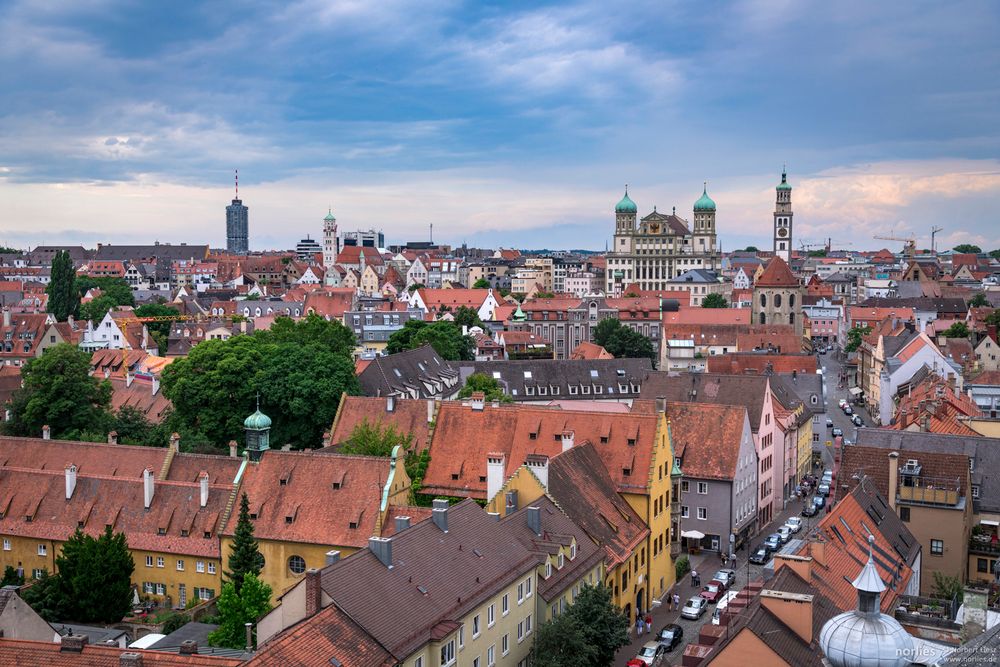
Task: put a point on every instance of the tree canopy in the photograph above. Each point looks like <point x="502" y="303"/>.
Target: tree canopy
<point x="957" y="330"/>
<point x="482" y="283"/>
<point x="468" y="317"/>
<point x="622" y="341"/>
<point x="160" y="331"/>
<point x="587" y="634"/>
<point x="114" y="292"/>
<point x="995" y="254"/>
<point x="376" y="439"/>
<point x="562" y="642"/>
<point x="488" y="385"/>
<point x="854" y="336"/>
<point x="64" y="299"/>
<point x="714" y="300"/>
<point x="237" y="607"/>
<point x="59" y="391"/>
<point x="967" y="248"/>
<point x="978" y="300"/>
<point x="445" y="337"/>
<point x="993" y="318"/>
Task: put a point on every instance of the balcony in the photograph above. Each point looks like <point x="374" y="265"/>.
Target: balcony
<point x="931" y="492"/>
<point x="982" y="545"/>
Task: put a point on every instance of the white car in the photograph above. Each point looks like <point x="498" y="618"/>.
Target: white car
<point x="794" y="524"/>
<point x="694" y="608"/>
<point x="786" y="534"/>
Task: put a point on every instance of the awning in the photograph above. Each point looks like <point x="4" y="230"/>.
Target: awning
<point x="987" y="522"/>
<point x="854" y="391"/>
<point x="693" y="534"/>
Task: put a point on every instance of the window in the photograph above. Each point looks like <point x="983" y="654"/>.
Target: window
<point x="572" y="551"/>
<point x="461" y="637"/>
<point x="684" y="512"/>
<point x="975" y="490"/>
<point x="159" y="561"/>
<point x="491" y="656"/>
<point x="149" y="561"/>
<point x="448" y="653"/>
<point x="42" y="550"/>
<point x="475" y="626"/>
<point x="548" y="570"/>
<point x="180" y="565"/>
<point x="505" y="645"/>
<point x="904" y="513"/>
<point x="37" y="573"/>
<point x="6" y="545"/>
<point x="297" y="564"/>
<point x="562" y="561"/>
<point x="211" y="568"/>
<point x="491" y="615"/>
<point x="982" y="565"/>
<point x="505" y="604"/>
<point x="703" y="488"/>
<point x="199" y="566"/>
<point x="161" y="589"/>
<point x="702" y="513"/>
<point x="937" y="547"/>
<point x="520" y="592"/>
<point x="419" y="662"/>
<point x="685" y="485"/>
<point x="475" y="662"/>
<point x="527" y="587"/>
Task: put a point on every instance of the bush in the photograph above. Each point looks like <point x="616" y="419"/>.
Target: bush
<point x="683" y="566"/>
<point x="174" y="622"/>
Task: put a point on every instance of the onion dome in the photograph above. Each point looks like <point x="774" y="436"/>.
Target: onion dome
<point x="784" y="182"/>
<point x="626" y="205"/>
<point x="705" y="203"/>
<point x="329" y="216"/>
<point x="258" y="421"/>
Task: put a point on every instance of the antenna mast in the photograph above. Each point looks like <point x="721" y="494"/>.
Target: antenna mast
<point x="237" y="183"/>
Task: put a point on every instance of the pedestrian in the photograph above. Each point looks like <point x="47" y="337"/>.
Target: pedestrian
<point x="649" y="622"/>
<point x="695" y="579"/>
<point x="638" y="625"/>
<point x="677" y="601"/>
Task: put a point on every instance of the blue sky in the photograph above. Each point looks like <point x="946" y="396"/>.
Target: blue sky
<point x="514" y="123"/>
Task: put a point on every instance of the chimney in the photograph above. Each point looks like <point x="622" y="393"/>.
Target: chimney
<point x="249" y="627"/>
<point x="128" y="378"/>
<point x="893" y="478"/>
<point x="107" y="373"/>
<point x="113" y="437"/>
<point x="72" y="643"/>
<point x="801" y="565"/>
<point x="175" y="442"/>
<point x="382" y="548"/>
<point x="510" y="501"/>
<point x="70" y="480"/>
<point x="402" y="523"/>
<point x="130" y="659"/>
<point x="147" y="487"/>
<point x="189" y="647"/>
<point x="661" y="404"/>
<point x="430" y="410"/>
<point x="6" y="317"/>
<point x="156" y="390"/>
<point x="535" y="520"/>
<point x="71" y="321"/>
<point x="332" y="556"/>
<point x="795" y="610"/>
<point x="975" y="611"/>
<point x="314" y="592"/>
<point x="817" y="550"/>
<point x="495" y="465"/>
<point x="390" y="403"/>
<point x="203" y="484"/>
<point x="568" y="440"/>
<point x="46" y="432"/>
<point x="232" y="449"/>
<point x="478" y="401"/>
<point x="439" y="515"/>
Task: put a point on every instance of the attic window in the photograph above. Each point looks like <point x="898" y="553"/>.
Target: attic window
<point x="626" y="472"/>
<point x="27" y="518"/>
<point x="289" y="519"/>
<point x="527" y="375"/>
<point x="604" y="439"/>
<point x="593" y="373"/>
<point x="161" y="531"/>
<point x="207" y="535"/>
<point x="454" y="475"/>
<point x="631" y="442"/>
<point x="620" y="372"/>
<point x="396" y="371"/>
<point x="353" y="525"/>
<point x="532" y="436"/>
<point x="482" y="478"/>
<point x="79" y="524"/>
<point x="253" y="515"/>
<point x="335" y="485"/>
<point x="283" y="481"/>
<point x="496" y="375"/>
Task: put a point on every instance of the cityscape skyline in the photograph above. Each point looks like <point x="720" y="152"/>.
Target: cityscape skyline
<point x="472" y="118"/>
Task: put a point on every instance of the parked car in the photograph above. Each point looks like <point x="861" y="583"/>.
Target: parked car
<point x="829" y="423"/>
<point x="635" y="662"/>
<point x="694" y="608"/>
<point x="728" y="577"/>
<point x="838" y="432"/>
<point x="810" y="509"/>
<point x="670" y="636"/>
<point x="842" y="403"/>
<point x="713" y="590"/>
<point x="824" y="489"/>
<point x="858" y="421"/>
<point x="819" y="501"/>
<point x="760" y="556"/>
<point x="722" y="604"/>
<point x="848" y="410"/>
<point x="794" y="524"/>
<point x="652" y="654"/>
<point x="786" y="534"/>
<point x="773" y="542"/>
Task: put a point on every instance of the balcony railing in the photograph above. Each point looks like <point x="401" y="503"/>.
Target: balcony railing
<point x="932" y="492"/>
<point x="983" y="545"/>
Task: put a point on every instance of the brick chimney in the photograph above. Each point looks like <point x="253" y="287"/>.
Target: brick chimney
<point x="801" y="565"/>
<point x="232" y="449"/>
<point x="113" y="437"/>
<point x="189" y="647"/>
<point x="72" y="643"/>
<point x="817" y="550"/>
<point x="130" y="659"/>
<point x="175" y="442"/>
<point x="314" y="592"/>
<point x="478" y="401"/>
<point x="795" y="610"/>
<point x="893" y="479"/>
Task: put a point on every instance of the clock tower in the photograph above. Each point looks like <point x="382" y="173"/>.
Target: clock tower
<point x="783" y="219"/>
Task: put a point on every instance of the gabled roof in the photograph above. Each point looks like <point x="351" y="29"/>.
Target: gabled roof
<point x="330" y="302"/>
<point x="588" y="350"/>
<point x="408" y="416"/>
<point x="538" y="379"/>
<point x="21" y="652"/>
<point x="90" y="458"/>
<point x="434" y="299"/>
<point x="699" y="315"/>
<point x="777" y="274"/>
<point x="745" y="390"/>
<point x="707" y="438"/>
<point x="756" y="362"/>
<point x="416" y="373"/>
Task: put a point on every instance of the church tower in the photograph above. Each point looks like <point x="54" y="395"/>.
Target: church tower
<point x="783" y="219"/>
<point x="704" y="229"/>
<point x="331" y="244"/>
<point x="625" y="213"/>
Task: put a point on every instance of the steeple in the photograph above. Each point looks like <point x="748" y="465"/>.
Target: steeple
<point x="783" y="218"/>
<point x="258" y="433"/>
<point x="869" y="584"/>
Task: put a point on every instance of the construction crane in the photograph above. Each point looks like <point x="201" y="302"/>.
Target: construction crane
<point x="124" y="322"/>
<point x="934" y="230"/>
<point x="805" y="247"/>
<point x="909" y="242"/>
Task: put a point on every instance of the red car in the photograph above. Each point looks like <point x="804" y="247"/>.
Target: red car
<point x="713" y="590"/>
<point x="635" y="662"/>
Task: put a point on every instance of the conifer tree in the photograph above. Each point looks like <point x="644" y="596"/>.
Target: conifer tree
<point x="245" y="558"/>
<point x="64" y="299"/>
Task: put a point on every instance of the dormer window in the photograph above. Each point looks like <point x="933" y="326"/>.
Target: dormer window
<point x="562" y="561"/>
<point x="161" y="531"/>
<point x="548" y="569"/>
<point x="572" y="551"/>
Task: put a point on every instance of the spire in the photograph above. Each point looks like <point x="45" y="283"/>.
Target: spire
<point x="869" y="584"/>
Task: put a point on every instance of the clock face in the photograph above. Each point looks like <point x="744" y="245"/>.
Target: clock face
<point x="782" y="232"/>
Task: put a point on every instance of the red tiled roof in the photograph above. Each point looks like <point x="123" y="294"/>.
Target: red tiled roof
<point x="707" y="438"/>
<point x="453" y="298"/>
<point x="777" y="274"/>
<point x="90" y="458"/>
<point x="24" y="653"/>
<point x="935" y="406"/>
<point x="699" y="315"/>
<point x="188" y="468"/>
<point x="408" y="416"/>
<point x="329" y="302"/>
<point x="316" y="641"/>
<point x="587" y="350"/>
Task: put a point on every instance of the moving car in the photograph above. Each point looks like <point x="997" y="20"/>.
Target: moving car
<point x="810" y="509"/>
<point x="652" y="653"/>
<point x="713" y="591"/>
<point x="728" y="577"/>
<point x="786" y="534"/>
<point x="842" y="403"/>
<point x="829" y="423"/>
<point x="760" y="556"/>
<point x="794" y="524"/>
<point x="694" y="608"/>
<point x="671" y="636"/>
<point x="848" y="410"/>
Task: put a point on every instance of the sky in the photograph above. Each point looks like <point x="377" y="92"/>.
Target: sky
<point x="501" y="123"/>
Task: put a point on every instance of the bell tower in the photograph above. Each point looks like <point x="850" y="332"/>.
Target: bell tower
<point x="783" y="219"/>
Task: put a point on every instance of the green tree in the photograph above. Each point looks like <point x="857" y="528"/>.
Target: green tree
<point x="132" y="426"/>
<point x="160" y="331"/>
<point x="995" y="254"/>
<point x="468" y="317"/>
<point x="59" y="391"/>
<point x="331" y="334"/>
<point x="64" y="299"/>
<point x="11" y="577"/>
<point x="957" y="330"/>
<point x="817" y="253"/>
<point x="978" y="300"/>
<point x="751" y="248"/>
<point x="622" y="341"/>
<point x="993" y="318"/>
<point x="374" y="439"/>
<point x="967" y="248"/>
<point x="245" y="559"/>
<point x="95" y="309"/>
<point x="562" y="642"/>
<point x="414" y="287"/>
<point x="114" y="292"/>
<point x="854" y="336"/>
<point x="544" y="295"/>
<point x="445" y="337"/>
<point x="605" y="328"/>
<point x="486" y="384"/>
<point x="604" y="626"/>
<point x="714" y="301"/>
<point x="948" y="587"/>
<point x="48" y="598"/>
<point x="237" y="607"/>
<point x="482" y="283"/>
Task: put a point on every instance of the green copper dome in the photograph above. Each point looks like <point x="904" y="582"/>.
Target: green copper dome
<point x="705" y="202"/>
<point x="329" y="216"/>
<point x="519" y="315"/>
<point x="626" y="205"/>
<point x="784" y="182"/>
<point x="258" y="421"/>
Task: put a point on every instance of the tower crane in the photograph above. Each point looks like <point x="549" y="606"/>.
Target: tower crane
<point x="909" y="242"/>
<point x="934" y="230"/>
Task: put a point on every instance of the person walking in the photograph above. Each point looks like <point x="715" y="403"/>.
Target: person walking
<point x="695" y="579"/>
<point x="638" y="625"/>
<point x="649" y="622"/>
<point x="677" y="601"/>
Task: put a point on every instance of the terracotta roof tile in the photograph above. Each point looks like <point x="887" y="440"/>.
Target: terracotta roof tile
<point x="739" y="363"/>
<point x="707" y="438"/>
<point x="90" y="458"/>
<point x="777" y="274"/>
<point x="23" y="653"/>
<point x="408" y="416"/>
<point x="317" y="640"/>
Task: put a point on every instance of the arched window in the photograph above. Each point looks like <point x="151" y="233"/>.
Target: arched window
<point x="763" y="301"/>
<point x="791" y="300"/>
<point x="777" y="301"/>
<point x="763" y="318"/>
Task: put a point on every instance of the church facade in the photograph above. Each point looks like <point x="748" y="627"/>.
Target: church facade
<point x="660" y="247"/>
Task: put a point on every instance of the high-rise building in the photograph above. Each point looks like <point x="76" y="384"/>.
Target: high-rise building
<point x="660" y="247"/>
<point x="365" y="238"/>
<point x="237" y="225"/>
<point x="331" y="243"/>
<point x="783" y="219"/>
<point x="306" y="249"/>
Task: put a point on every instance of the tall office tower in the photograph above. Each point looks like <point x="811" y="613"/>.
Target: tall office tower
<point x="237" y="226"/>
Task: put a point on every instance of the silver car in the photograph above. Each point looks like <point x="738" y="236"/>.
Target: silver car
<point x="694" y="608"/>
